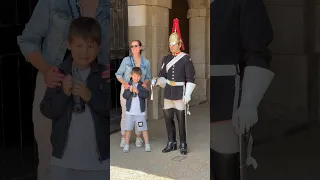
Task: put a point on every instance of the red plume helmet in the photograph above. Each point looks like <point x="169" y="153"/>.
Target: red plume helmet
<point x="176" y="29"/>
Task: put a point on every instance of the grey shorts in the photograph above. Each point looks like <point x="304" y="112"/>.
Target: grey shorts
<point x="138" y="120"/>
<point x="60" y="173"/>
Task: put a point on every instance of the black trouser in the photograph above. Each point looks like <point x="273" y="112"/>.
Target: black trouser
<point x="171" y="128"/>
<point x="224" y="166"/>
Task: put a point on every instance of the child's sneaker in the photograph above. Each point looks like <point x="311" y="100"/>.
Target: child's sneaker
<point x="126" y="148"/>
<point x="139" y="142"/>
<point x="122" y="142"/>
<point x="147" y="148"/>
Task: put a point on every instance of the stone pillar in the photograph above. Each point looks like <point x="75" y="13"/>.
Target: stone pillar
<point x="199" y="37"/>
<point x="149" y="22"/>
<point x="285" y="104"/>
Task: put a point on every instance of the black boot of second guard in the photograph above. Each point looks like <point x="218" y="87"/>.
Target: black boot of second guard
<point x="171" y="130"/>
<point x="182" y="131"/>
<point x="224" y="166"/>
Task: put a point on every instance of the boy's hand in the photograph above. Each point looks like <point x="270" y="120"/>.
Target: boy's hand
<point x="67" y="85"/>
<point x="131" y="88"/>
<point x="79" y="89"/>
<point x="135" y="90"/>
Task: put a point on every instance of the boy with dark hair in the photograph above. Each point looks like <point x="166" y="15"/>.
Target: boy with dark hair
<point x="80" y="137"/>
<point x="136" y="96"/>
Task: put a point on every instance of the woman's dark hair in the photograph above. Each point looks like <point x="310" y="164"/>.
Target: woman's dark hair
<point x="139" y="42"/>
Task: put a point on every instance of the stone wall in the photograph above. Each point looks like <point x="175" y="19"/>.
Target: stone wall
<point x="286" y="103"/>
<point x="149" y="22"/>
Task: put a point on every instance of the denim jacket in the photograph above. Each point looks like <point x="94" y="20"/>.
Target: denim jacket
<point x="126" y="66"/>
<point x="47" y="29"/>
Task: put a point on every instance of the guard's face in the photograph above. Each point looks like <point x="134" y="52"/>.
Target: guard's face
<point x="174" y="48"/>
<point x="83" y="51"/>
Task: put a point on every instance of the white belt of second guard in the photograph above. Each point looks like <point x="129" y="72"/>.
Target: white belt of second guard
<point x="224" y="70"/>
<point x="173" y="83"/>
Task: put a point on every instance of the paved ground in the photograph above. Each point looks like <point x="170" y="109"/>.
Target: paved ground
<point x="155" y="165"/>
<point x="295" y="157"/>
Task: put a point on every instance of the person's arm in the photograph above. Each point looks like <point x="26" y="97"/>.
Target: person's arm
<point x="189" y="70"/>
<point x="163" y="70"/>
<point x="36" y="29"/>
<point x="190" y="79"/>
<point x="54" y="103"/>
<point x="122" y="69"/>
<point x="100" y="100"/>
<point x="127" y="94"/>
<point x="162" y="80"/>
<point x="148" y="74"/>
<point x="256" y="32"/>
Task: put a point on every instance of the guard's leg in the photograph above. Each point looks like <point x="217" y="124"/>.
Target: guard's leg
<point x="168" y="111"/>
<point x="42" y="130"/>
<point x="180" y="113"/>
<point x="224" y="151"/>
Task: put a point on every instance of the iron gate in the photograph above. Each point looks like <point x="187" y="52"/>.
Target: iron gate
<point x="118" y="50"/>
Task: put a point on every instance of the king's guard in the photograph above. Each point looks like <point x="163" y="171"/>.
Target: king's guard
<point x="176" y="76"/>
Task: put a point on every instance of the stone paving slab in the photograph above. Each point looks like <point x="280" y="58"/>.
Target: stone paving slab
<point x="156" y="165"/>
<point x="294" y="158"/>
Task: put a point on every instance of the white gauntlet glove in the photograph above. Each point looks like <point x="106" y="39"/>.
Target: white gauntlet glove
<point x="161" y="81"/>
<point x="256" y="81"/>
<point x="189" y="89"/>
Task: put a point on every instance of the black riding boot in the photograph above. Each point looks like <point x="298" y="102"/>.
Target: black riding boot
<point x="182" y="131"/>
<point x="224" y="166"/>
<point x="171" y="130"/>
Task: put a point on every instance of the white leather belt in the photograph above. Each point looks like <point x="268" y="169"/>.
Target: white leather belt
<point x="173" y="83"/>
<point x="224" y="70"/>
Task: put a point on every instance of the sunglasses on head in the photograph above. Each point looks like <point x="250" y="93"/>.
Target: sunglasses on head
<point x="134" y="46"/>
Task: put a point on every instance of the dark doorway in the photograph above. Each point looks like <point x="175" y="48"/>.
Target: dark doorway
<point x="179" y="10"/>
<point x="18" y="156"/>
<point x="118" y="50"/>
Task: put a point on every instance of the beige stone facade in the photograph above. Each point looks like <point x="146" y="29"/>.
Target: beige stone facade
<point x="148" y="21"/>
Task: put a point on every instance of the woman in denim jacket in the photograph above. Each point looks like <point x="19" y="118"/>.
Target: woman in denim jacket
<point x="124" y="74"/>
<point x="44" y="44"/>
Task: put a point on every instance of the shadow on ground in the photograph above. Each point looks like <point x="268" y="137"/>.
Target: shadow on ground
<point x="156" y="165"/>
<point x="294" y="157"/>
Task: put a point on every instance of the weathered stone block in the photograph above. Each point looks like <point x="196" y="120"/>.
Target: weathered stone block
<point x="288" y="26"/>
<point x="200" y="70"/>
<point x="285" y="103"/>
<point x="200" y="91"/>
<point x="286" y="98"/>
<point x="197" y="39"/>
<point x="159" y="36"/>
<point x="138" y="11"/>
<point x="160" y="16"/>
<point x="138" y="32"/>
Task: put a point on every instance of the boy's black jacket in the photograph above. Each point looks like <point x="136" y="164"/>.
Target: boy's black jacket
<point x="57" y="106"/>
<point x="143" y="94"/>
